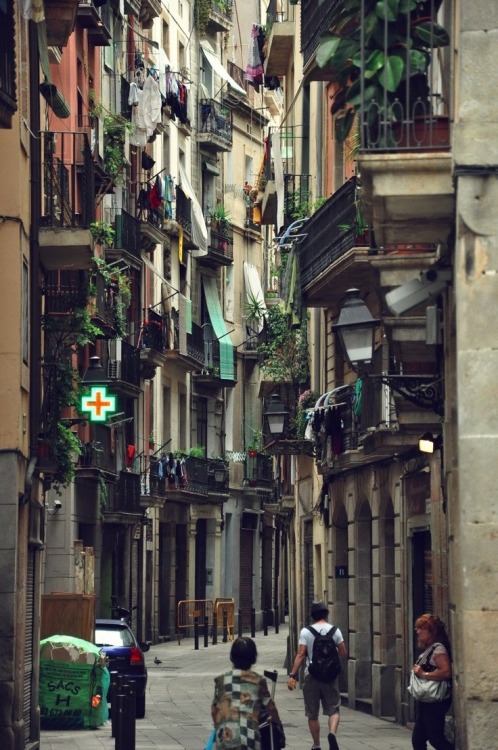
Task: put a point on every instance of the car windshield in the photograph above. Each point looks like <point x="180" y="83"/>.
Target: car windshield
<point x="113" y="637"/>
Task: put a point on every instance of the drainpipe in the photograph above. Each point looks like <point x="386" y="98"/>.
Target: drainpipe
<point x="34" y="259"/>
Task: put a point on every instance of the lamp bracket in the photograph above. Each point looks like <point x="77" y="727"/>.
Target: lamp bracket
<point x="421" y="390"/>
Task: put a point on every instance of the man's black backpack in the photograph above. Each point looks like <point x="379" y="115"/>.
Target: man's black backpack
<point x="325" y="664"/>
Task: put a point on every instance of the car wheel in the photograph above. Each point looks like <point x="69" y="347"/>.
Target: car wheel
<point x="140" y="706"/>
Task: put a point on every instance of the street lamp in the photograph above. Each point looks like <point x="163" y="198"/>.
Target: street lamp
<point x="276" y="415"/>
<point x="356" y="330"/>
<point x="95" y="373"/>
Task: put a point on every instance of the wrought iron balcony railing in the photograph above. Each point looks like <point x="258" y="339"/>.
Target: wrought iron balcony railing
<point x="97" y="453"/>
<point x="202" y="476"/>
<point x="124" y="496"/>
<point x="215" y="120"/>
<point x="331" y="232"/>
<point x="68" y="180"/>
<point x="259" y="471"/>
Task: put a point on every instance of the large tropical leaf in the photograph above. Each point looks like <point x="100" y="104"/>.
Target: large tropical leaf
<point x="326" y="49"/>
<point x="430" y="33"/>
<point x="392" y="72"/>
<point x="354" y="95"/>
<point x="387" y="10"/>
<point x="374" y="62"/>
<point x="343" y="125"/>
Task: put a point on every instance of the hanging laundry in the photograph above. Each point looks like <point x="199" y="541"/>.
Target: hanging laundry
<point x="152" y="104"/>
<point x="254" y="70"/>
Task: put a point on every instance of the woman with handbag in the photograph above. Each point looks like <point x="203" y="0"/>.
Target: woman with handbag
<point x="430" y="684"/>
<point x="241" y="697"/>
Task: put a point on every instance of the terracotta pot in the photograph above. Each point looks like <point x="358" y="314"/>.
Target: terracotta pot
<point x="422" y="134"/>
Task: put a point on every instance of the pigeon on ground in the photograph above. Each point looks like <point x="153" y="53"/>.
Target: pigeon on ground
<point x="157" y="661"/>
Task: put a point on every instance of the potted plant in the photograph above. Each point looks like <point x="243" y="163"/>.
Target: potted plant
<point x="254" y="309"/>
<point x="387" y="77"/>
<point x="220" y="219"/>
<point x="103" y="233"/>
<point x="254" y="446"/>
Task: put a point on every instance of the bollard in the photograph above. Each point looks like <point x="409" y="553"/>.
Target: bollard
<point x="253" y="622"/>
<point x="113" y="689"/>
<point x="240" y="623"/>
<point x="215" y="628"/>
<point x="120" y="710"/>
<point x="277" y="616"/>
<point x="196" y="633"/>
<point x="265" y="622"/>
<point x="206" y="629"/>
<point x="131" y="716"/>
<point x="225" y="626"/>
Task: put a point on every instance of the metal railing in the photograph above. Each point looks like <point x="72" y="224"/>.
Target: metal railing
<point x="153" y="330"/>
<point x="216" y="119"/>
<point x="183" y="210"/>
<point x="68" y="180"/>
<point x="259" y="470"/>
<point x="220" y="241"/>
<point x="330" y="233"/>
<point x="124" y="496"/>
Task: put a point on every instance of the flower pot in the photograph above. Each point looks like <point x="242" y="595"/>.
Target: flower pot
<point x="424" y="133"/>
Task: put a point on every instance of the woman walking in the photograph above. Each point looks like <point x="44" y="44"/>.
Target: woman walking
<point x="434" y="664"/>
<point x="241" y="696"/>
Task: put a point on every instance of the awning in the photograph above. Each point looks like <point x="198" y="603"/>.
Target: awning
<point x="220" y="70"/>
<point x="219" y="328"/>
<point x="254" y="291"/>
<point x="199" y="230"/>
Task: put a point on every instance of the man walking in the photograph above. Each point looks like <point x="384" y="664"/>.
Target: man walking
<point x="320" y="688"/>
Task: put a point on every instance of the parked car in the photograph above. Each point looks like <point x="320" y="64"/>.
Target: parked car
<point x="125" y="654"/>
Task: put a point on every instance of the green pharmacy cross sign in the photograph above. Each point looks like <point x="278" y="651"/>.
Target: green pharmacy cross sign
<point x="99" y="404"/>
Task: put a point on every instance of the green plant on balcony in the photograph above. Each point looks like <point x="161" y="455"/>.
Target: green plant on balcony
<point x="398" y="38"/>
<point x="114" y="278"/>
<point x="256" y="443"/>
<point x="306" y="401"/>
<point x="254" y="309"/>
<point x="220" y="219"/>
<point x="202" y="11"/>
<point x="284" y="355"/>
<point x="197" y="451"/>
<point x="116" y="127"/>
<point x="64" y="334"/>
<point x="299" y="204"/>
<point x="103" y="233"/>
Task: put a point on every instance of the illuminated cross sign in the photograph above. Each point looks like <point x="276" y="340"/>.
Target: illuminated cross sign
<point x="99" y="404"/>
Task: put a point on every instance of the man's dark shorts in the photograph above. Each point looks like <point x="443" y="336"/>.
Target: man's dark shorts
<point x="324" y="693"/>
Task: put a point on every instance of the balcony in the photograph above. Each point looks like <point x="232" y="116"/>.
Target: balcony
<point x="103" y="308"/>
<point x="184" y="349"/>
<point x="123" y="497"/>
<point x="259" y="473"/>
<point x="334" y="254"/>
<point x="186" y="479"/>
<point x="60" y="17"/>
<point x="316" y="19"/>
<point x="184" y="218"/>
<point x="69" y="201"/>
<point x="121" y="363"/>
<point x="220" y="248"/>
<point x="152" y="342"/>
<point x="280" y="45"/>
<point x="220" y="15"/>
<point x="210" y="378"/>
<point x="151" y="219"/>
<point x="127" y="235"/>
<point x="149" y="9"/>
<point x="97" y="21"/>
<point x="97" y="455"/>
<point x="215" y="126"/>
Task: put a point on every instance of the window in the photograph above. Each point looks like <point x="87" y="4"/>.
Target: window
<point x="202" y="419"/>
<point x="8" y="104"/>
<point x="166" y="38"/>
